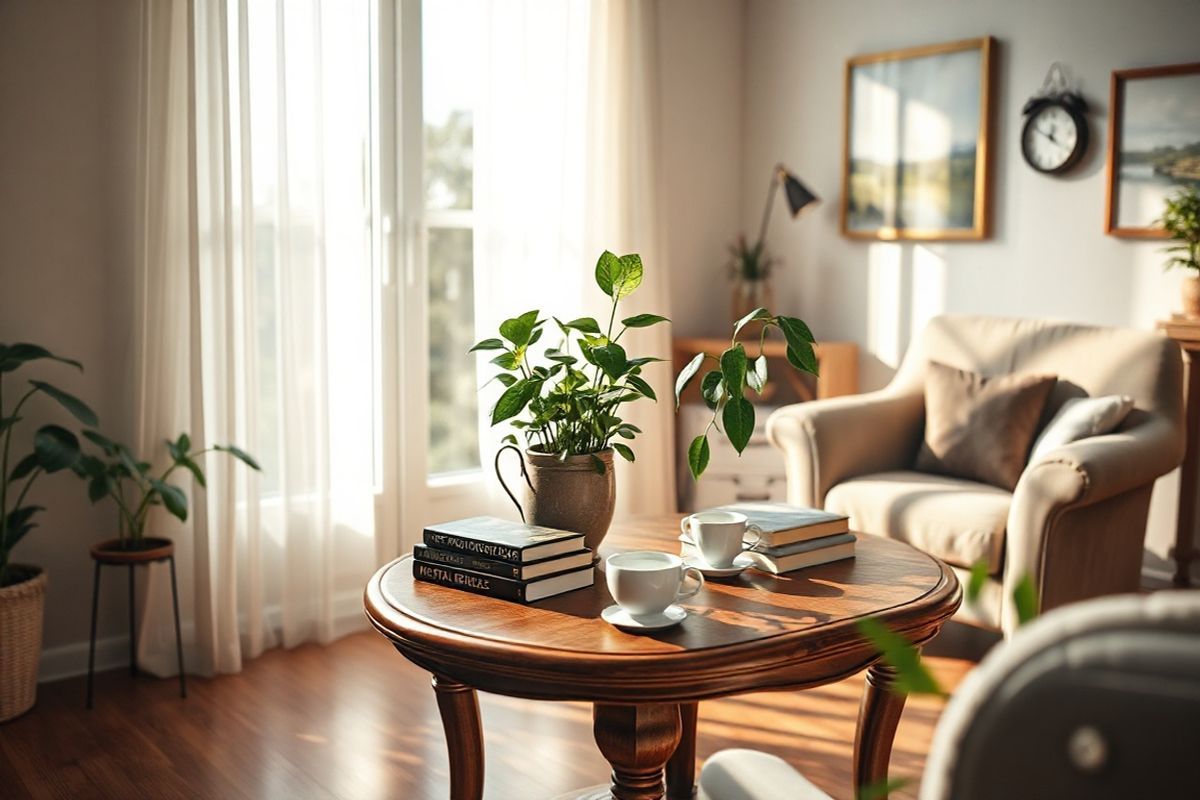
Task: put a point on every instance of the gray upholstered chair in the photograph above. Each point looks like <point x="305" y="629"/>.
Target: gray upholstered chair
<point x="1098" y="701"/>
<point x="1077" y="518"/>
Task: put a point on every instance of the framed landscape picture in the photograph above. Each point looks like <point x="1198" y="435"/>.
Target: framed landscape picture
<point x="916" y="162"/>
<point x="1153" y="144"/>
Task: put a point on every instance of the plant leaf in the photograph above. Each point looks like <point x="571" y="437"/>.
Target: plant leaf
<point x="1025" y="599"/>
<point x="733" y="367"/>
<point x="643" y="360"/>
<point x="641" y="385"/>
<point x="72" y="404"/>
<point x="698" y="456"/>
<point x="100" y="440"/>
<point x="488" y="344"/>
<point x="738" y="418"/>
<point x="597" y="464"/>
<point x="172" y="497"/>
<point x="514" y="400"/>
<point x="796" y="329"/>
<point x="611" y="358"/>
<point x="624" y="450"/>
<point x="56" y="448"/>
<point x="629" y="278"/>
<point x="883" y="788"/>
<point x="686" y="374"/>
<point x="979" y="576"/>
<point x="607" y="268"/>
<point x="912" y="677"/>
<point x="239" y="454"/>
<point x="584" y="325"/>
<point x="8" y="422"/>
<point x="803" y="359"/>
<point x="194" y="468"/>
<point x="19" y="516"/>
<point x="643" y="320"/>
<point x="508" y="360"/>
<point x="12" y="356"/>
<point x="98" y="487"/>
<point x="518" y="329"/>
<point x="758" y="313"/>
<point x="756" y="376"/>
<point x="712" y="389"/>
<point x="25" y="466"/>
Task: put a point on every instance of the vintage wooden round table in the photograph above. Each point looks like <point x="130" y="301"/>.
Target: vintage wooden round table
<point x="756" y="632"/>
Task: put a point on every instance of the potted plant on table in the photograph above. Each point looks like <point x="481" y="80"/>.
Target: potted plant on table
<point x="568" y="406"/>
<point x="23" y="586"/>
<point x="134" y="489"/>
<point x="1181" y="221"/>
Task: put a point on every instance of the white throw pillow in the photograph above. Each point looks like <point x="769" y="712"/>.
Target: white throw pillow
<point x="1079" y="418"/>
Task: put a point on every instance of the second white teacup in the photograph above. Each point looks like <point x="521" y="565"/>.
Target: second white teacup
<point x="645" y="582"/>
<point x="720" y="535"/>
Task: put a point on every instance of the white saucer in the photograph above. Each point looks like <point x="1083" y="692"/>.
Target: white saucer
<point x="740" y="565"/>
<point x="620" y="618"/>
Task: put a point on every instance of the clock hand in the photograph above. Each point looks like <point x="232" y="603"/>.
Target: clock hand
<point x="1050" y="136"/>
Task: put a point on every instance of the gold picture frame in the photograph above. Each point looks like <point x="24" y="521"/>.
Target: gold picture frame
<point x="887" y="96"/>
<point x="1125" y="168"/>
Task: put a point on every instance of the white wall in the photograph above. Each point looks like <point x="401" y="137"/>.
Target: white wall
<point x="700" y="90"/>
<point x="64" y="191"/>
<point x="1048" y="256"/>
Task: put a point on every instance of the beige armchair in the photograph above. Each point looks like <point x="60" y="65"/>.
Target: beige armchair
<point x="1077" y="518"/>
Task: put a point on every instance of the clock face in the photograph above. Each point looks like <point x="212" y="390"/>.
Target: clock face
<point x="1053" y="139"/>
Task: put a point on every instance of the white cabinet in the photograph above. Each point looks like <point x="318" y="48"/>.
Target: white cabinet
<point x="756" y="475"/>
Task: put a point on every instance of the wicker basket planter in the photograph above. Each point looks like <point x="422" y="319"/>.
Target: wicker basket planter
<point x="21" y="608"/>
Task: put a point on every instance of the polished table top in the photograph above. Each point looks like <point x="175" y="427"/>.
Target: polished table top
<point x="755" y="631"/>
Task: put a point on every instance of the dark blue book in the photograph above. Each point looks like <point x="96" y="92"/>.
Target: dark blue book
<point x="503" y="569"/>
<point x="501" y="540"/>
<point x="504" y="588"/>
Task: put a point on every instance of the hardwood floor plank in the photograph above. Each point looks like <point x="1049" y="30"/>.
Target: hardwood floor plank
<point x="355" y="720"/>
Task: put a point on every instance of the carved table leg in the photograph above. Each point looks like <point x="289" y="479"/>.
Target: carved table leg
<point x="681" y="769"/>
<point x="878" y="717"/>
<point x="637" y="741"/>
<point x="464" y="737"/>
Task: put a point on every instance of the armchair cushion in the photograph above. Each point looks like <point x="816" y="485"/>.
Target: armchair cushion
<point x="980" y="427"/>
<point x="955" y="520"/>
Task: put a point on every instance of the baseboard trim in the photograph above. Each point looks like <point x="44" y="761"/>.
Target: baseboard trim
<point x="112" y="652"/>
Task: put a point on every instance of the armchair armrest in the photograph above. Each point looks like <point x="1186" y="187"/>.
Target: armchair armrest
<point x="1076" y="477"/>
<point x="828" y="441"/>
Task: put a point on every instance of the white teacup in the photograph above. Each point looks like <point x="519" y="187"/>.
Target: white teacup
<point x="720" y="535"/>
<point x="645" y="582"/>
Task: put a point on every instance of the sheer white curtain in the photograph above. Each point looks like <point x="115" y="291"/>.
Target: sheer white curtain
<point x="565" y="168"/>
<point x="257" y="315"/>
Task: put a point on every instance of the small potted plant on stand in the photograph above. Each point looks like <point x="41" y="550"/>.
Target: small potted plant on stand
<point x="23" y="586"/>
<point x="135" y="489"/>
<point x="1181" y="221"/>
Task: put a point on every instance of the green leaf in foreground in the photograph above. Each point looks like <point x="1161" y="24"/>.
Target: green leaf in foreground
<point x="56" y="448"/>
<point x="738" y="418"/>
<point x="1025" y="599"/>
<point x="733" y="367"/>
<point x="624" y="450"/>
<point x="514" y="400"/>
<point x="519" y="329"/>
<point x="883" y="788"/>
<point x="686" y="374"/>
<point x="77" y="408"/>
<point x="488" y="344"/>
<point x="756" y="376"/>
<point x="239" y="454"/>
<point x="608" y="267"/>
<point x="698" y="456"/>
<point x="173" y="498"/>
<point x="711" y="389"/>
<point x="643" y="320"/>
<point x="912" y="677"/>
<point x="756" y="314"/>
<point x="975" y="583"/>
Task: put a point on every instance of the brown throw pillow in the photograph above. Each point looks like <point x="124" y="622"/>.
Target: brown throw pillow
<point x="980" y="428"/>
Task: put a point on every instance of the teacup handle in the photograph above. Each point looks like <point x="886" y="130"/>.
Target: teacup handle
<point x="683" y="524"/>
<point x="758" y="536"/>
<point x="694" y="573"/>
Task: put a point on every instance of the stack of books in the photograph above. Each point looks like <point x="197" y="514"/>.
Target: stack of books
<point x="507" y="560"/>
<point x="793" y="537"/>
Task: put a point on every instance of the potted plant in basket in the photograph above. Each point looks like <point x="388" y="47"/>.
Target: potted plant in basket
<point x="135" y="489"/>
<point x="23" y="586"/>
<point x="568" y="407"/>
<point x="1181" y="221"/>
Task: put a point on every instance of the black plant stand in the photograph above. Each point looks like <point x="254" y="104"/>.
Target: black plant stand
<point x="111" y="553"/>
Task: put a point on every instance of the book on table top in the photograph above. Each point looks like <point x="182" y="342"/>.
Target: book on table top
<point x="504" y="588"/>
<point x="804" y="554"/>
<point x="783" y="551"/>
<point x="499" y="539"/>
<point x="782" y="523"/>
<point x="521" y="572"/>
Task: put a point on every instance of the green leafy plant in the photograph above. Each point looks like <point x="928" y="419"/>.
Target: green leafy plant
<point x="133" y="487"/>
<point x="54" y="449"/>
<point x="749" y="262"/>
<point x="1181" y="221"/>
<point x="570" y="403"/>
<point x="724" y="386"/>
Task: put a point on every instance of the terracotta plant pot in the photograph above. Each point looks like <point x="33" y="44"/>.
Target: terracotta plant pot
<point x="132" y="551"/>
<point x="568" y="494"/>
<point x="1191" y="297"/>
<point x="21" y="609"/>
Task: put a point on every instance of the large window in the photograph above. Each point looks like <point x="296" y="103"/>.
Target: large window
<point x="450" y="70"/>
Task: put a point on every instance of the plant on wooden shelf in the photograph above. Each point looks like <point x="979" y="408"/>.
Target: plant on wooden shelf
<point x="134" y="489"/>
<point x="1181" y="221"/>
<point x="568" y="408"/>
<point x="22" y="586"/>
<point x="724" y="387"/>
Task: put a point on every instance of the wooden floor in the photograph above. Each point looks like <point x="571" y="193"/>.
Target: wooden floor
<point x="355" y="720"/>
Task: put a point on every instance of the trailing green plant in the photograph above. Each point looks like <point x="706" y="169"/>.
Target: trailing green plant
<point x="1181" y="221"/>
<point x="724" y="387"/>
<point x="132" y="486"/>
<point x="54" y="449"/>
<point x="569" y="405"/>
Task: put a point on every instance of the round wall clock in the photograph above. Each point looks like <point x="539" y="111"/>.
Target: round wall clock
<point x="1055" y="135"/>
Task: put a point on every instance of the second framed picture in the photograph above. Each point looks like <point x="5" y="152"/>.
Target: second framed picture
<point x="916" y="163"/>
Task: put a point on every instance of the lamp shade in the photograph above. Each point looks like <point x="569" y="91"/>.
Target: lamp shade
<point x="798" y="195"/>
